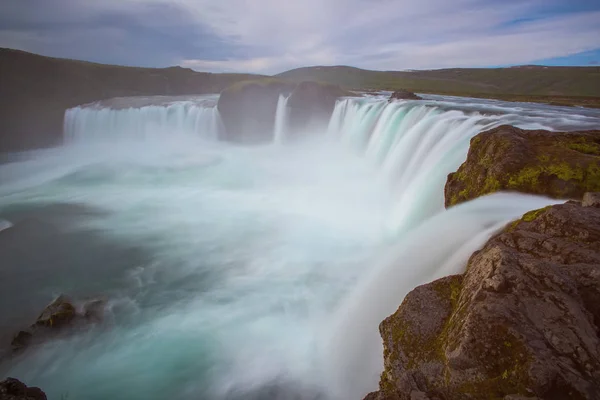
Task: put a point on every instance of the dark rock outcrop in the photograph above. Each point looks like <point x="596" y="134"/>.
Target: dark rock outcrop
<point x="248" y="109"/>
<point x="311" y="104"/>
<point x="554" y="164"/>
<point x="13" y="389"/>
<point x="61" y="314"/>
<point x="404" y="95"/>
<point x="523" y="322"/>
<point x="35" y="91"/>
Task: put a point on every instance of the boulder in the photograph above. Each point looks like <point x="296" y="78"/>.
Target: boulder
<point x="248" y="109"/>
<point x="311" y="105"/>
<point x="523" y="322"/>
<point x="60" y="315"/>
<point x="554" y="164"/>
<point x="591" y="199"/>
<point x="13" y="389"/>
<point x="404" y="95"/>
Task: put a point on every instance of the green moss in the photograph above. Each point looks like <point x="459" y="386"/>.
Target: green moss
<point x="532" y="215"/>
<point x="486" y="161"/>
<point x="507" y="367"/>
<point x="592" y="178"/>
<point x="585" y="147"/>
<point x="529" y="177"/>
<point x="544" y="158"/>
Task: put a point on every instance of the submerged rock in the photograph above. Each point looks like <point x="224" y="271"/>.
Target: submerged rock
<point x="404" y="95"/>
<point x="13" y="389"/>
<point x="555" y="164"/>
<point x="61" y="314"/>
<point x="523" y="322"/>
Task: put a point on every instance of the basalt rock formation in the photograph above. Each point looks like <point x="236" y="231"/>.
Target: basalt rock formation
<point x="248" y="109"/>
<point x="523" y="321"/>
<point x="311" y="104"/>
<point x="555" y="164"/>
<point x="404" y="95"/>
<point x="13" y="389"/>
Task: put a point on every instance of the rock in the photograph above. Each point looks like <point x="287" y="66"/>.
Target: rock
<point x="555" y="164"/>
<point x="311" y="104"/>
<point x="57" y="314"/>
<point x="523" y="322"/>
<point x="404" y="95"/>
<point x="248" y="109"/>
<point x="13" y="389"/>
<point x="61" y="314"/>
<point x="591" y="199"/>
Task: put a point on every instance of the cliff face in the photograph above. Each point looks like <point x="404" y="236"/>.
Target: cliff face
<point x="522" y="322"/>
<point x="556" y="164"/>
<point x="35" y="91"/>
<point x="248" y="108"/>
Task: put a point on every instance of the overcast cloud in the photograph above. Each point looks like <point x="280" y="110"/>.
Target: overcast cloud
<point x="271" y="36"/>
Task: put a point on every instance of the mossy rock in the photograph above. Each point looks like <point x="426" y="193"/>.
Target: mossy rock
<point x="522" y="322"/>
<point x="561" y="165"/>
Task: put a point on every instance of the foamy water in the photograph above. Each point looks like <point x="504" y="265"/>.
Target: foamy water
<point x="233" y="272"/>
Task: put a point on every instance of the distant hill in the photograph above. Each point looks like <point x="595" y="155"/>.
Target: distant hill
<point x="527" y="81"/>
<point x="36" y="90"/>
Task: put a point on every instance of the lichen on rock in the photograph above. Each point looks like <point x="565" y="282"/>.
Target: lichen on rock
<point x="555" y="164"/>
<point x="522" y="322"/>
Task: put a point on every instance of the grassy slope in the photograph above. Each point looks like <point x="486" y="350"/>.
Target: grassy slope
<point x="36" y="90"/>
<point x="559" y="85"/>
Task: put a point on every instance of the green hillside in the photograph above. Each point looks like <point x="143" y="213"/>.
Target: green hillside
<point x="35" y="91"/>
<point x="560" y="85"/>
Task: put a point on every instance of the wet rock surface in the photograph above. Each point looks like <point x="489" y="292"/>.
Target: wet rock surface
<point x="13" y="389"/>
<point x="60" y="316"/>
<point x="404" y="95"/>
<point x="523" y="322"/>
<point x="555" y="164"/>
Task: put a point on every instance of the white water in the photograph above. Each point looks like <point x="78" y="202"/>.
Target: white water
<point x="180" y="118"/>
<point x="281" y="119"/>
<point x="237" y="273"/>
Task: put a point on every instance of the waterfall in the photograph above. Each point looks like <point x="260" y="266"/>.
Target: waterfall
<point x="281" y="119"/>
<point x="439" y="247"/>
<point x="414" y="145"/>
<point x="177" y="119"/>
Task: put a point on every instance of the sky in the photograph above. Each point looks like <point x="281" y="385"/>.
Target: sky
<point x="272" y="36"/>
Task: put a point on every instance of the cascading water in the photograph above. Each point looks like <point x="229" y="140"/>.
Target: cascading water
<point x="415" y="145"/>
<point x="240" y="272"/>
<point x="184" y="118"/>
<point x="281" y="119"/>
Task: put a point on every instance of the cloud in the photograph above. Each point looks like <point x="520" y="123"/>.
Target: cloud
<point x="269" y="36"/>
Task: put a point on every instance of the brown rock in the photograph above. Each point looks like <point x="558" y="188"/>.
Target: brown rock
<point x="311" y="104"/>
<point x="60" y="315"/>
<point x="404" y="95"/>
<point x="13" y="389"/>
<point x="248" y="109"/>
<point x="555" y="164"/>
<point x="591" y="199"/>
<point x="523" y="322"/>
